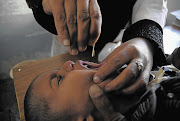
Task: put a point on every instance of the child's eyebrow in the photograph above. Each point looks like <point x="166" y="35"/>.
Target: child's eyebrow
<point x="52" y="76"/>
<point x="35" y="78"/>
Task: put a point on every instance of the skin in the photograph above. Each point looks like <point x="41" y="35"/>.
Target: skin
<point x="78" y="22"/>
<point x="71" y="93"/>
<point x="131" y="80"/>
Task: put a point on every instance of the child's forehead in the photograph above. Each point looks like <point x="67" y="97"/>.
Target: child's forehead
<point x="41" y="82"/>
<point x="45" y="74"/>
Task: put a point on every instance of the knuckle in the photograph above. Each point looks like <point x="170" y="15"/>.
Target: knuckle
<point x="116" y="61"/>
<point x="144" y="82"/>
<point x="62" y="30"/>
<point x="84" y="16"/>
<point x="115" y="85"/>
<point x="61" y="18"/>
<point x="72" y="20"/>
<point x="95" y="15"/>
<point x="131" y="73"/>
<point x="136" y="52"/>
<point x="142" y="87"/>
<point x="132" y="47"/>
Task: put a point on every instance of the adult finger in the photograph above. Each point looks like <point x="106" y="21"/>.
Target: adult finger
<point x="83" y="21"/>
<point x="71" y="16"/>
<point x="138" y="88"/>
<point x="113" y="64"/>
<point x="60" y="22"/>
<point x="96" y="22"/>
<point x="127" y="77"/>
<point x="142" y="81"/>
<point x="73" y="50"/>
<point x="103" y="104"/>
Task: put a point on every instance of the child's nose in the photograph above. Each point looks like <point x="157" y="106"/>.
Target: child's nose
<point x="69" y="66"/>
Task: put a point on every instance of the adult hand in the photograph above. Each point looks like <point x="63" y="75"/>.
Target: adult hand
<point x="137" y="53"/>
<point x="78" y="22"/>
<point x="103" y="104"/>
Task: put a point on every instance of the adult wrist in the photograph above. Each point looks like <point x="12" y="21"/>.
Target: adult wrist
<point x="43" y="19"/>
<point x="151" y="31"/>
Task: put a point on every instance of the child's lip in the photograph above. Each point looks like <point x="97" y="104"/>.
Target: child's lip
<point x="88" y="65"/>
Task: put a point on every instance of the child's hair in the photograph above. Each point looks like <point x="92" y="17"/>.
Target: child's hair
<point x="37" y="108"/>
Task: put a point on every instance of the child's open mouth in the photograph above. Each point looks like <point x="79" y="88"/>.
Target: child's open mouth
<point x="89" y="65"/>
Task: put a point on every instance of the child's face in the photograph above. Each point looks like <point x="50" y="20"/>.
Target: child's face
<point x="67" y="89"/>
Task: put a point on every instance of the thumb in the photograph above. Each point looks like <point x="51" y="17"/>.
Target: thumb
<point x="46" y="7"/>
<point x="103" y="105"/>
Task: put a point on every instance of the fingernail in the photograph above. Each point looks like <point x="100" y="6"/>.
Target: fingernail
<point x="95" y="91"/>
<point x="66" y="42"/>
<point x="107" y="89"/>
<point x="74" y="51"/>
<point x="97" y="79"/>
<point x="81" y="48"/>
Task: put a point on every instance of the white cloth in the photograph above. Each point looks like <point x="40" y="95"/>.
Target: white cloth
<point x="155" y="10"/>
<point x="57" y="47"/>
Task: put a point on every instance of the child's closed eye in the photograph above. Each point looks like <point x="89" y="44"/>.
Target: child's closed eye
<point x="59" y="78"/>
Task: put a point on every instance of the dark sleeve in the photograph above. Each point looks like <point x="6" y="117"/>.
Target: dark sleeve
<point x="151" y="31"/>
<point x="46" y="21"/>
<point x="33" y="3"/>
